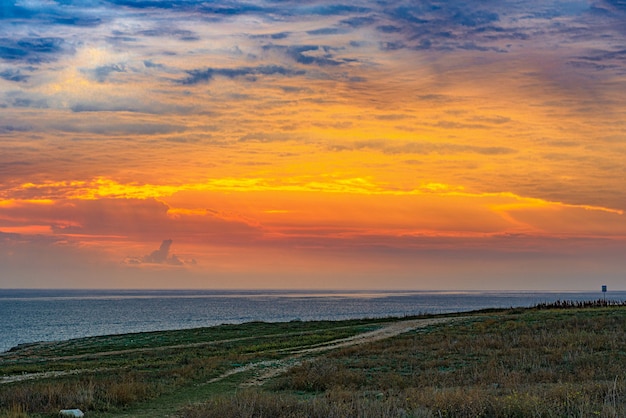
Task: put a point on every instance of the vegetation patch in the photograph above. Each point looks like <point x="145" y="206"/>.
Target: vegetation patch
<point x="551" y="361"/>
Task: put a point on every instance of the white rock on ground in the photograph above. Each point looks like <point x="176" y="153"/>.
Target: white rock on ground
<point x="77" y="413"/>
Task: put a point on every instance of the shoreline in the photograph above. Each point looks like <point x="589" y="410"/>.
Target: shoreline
<point x="161" y="373"/>
<point x="44" y="319"/>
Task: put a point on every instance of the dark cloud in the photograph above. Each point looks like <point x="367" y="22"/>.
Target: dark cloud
<point x="474" y="18"/>
<point x="6" y="129"/>
<point x="32" y="50"/>
<point x="101" y="73"/>
<point x="103" y="107"/>
<point x="13" y="75"/>
<point x="50" y="13"/>
<point x="612" y="5"/>
<point x="495" y="33"/>
<point x="322" y="55"/>
<point x="359" y="21"/>
<point x="151" y="64"/>
<point x="471" y="46"/>
<point x="332" y="9"/>
<point x="27" y="102"/>
<point x="325" y="31"/>
<point x="235" y="9"/>
<point x="619" y="55"/>
<point x="151" y="4"/>
<point x="183" y="35"/>
<point x="444" y="27"/>
<point x="424" y="148"/>
<point x="250" y="73"/>
<point x="10" y="53"/>
<point x="392" y="46"/>
<point x="411" y="14"/>
<point x="41" y="45"/>
<point x="230" y="8"/>
<point x="86" y="21"/>
<point x="280" y="35"/>
<point x="106" y="128"/>
<point x="389" y="29"/>
<point x="8" y="10"/>
<point x="160" y="256"/>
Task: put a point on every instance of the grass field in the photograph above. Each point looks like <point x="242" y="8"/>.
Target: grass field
<point x="565" y="362"/>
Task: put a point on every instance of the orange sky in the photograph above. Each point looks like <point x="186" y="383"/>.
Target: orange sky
<point x="417" y="145"/>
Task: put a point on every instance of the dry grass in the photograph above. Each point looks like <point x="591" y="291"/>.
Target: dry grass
<point x="521" y="363"/>
<point x="335" y="404"/>
<point x="535" y="363"/>
<point x="130" y="369"/>
<point x="15" y="411"/>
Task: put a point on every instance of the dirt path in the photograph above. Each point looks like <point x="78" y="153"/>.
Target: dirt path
<point x="257" y="373"/>
<point x="169" y="405"/>
<point x="270" y="369"/>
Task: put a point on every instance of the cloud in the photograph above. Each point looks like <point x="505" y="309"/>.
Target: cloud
<point x="120" y="128"/>
<point x="250" y="73"/>
<point x="359" y="21"/>
<point x="102" y="72"/>
<point x="13" y="75"/>
<point x="6" y="129"/>
<point x="612" y="5"/>
<point x="331" y="9"/>
<point x="308" y="54"/>
<point x="160" y="256"/>
<point x="9" y="10"/>
<point x="32" y="49"/>
<point x="183" y="35"/>
<point x="423" y="148"/>
<point x="122" y="217"/>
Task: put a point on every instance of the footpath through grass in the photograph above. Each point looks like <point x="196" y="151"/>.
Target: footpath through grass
<point x="157" y="371"/>
<point x="513" y="363"/>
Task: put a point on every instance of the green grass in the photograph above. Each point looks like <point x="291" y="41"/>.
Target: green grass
<point x="113" y="374"/>
<point x="516" y="363"/>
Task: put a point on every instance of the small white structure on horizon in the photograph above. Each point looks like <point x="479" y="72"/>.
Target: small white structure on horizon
<point x="76" y="413"/>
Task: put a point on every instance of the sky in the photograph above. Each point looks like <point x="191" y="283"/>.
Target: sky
<point x="318" y="145"/>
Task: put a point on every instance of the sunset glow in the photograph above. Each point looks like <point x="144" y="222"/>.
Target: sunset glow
<point x="279" y="144"/>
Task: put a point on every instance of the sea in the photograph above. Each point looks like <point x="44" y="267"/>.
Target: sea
<point x="28" y="316"/>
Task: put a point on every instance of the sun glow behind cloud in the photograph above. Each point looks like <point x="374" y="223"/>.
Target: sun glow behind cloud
<point x="312" y="145"/>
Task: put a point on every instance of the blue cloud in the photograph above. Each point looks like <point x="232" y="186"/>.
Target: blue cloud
<point x="150" y="4"/>
<point x="87" y="21"/>
<point x="477" y="18"/>
<point x="101" y="73"/>
<point x="33" y="50"/>
<point x="359" y="21"/>
<point x="50" y="13"/>
<point x="389" y="29"/>
<point x="206" y="75"/>
<point x="184" y="35"/>
<point x="325" y="31"/>
<point x="299" y="54"/>
<point x="13" y="75"/>
<point x="10" y="53"/>
<point x="332" y="9"/>
<point x="6" y="129"/>
<point x="8" y="10"/>
<point x="26" y="102"/>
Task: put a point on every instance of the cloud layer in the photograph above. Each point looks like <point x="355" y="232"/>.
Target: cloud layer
<point x="313" y="136"/>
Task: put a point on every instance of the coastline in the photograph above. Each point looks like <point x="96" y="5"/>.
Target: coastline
<point x="521" y="351"/>
<point x="56" y="315"/>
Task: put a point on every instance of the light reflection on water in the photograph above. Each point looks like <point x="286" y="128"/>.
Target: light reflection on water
<point x="52" y="315"/>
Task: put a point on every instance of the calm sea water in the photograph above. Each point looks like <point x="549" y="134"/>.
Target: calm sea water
<point x="53" y="315"/>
